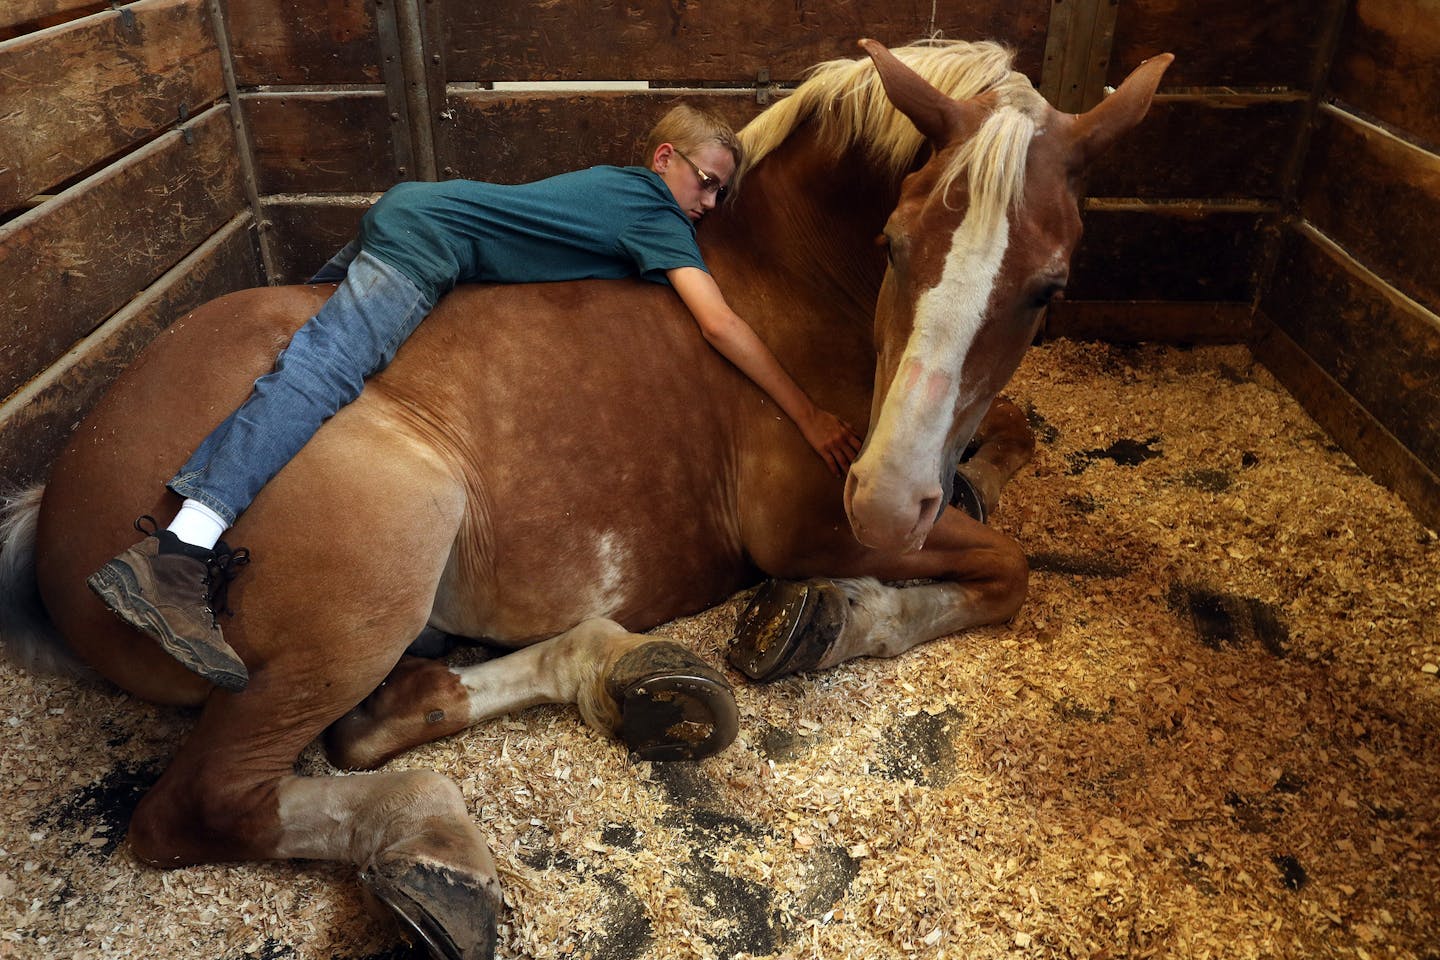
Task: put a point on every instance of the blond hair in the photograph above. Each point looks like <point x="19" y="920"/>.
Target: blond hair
<point x="688" y="128"/>
<point x="849" y="102"/>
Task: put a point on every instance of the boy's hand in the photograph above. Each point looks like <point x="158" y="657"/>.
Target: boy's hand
<point x="833" y="438"/>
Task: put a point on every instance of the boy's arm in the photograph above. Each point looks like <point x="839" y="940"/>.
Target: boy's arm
<point x="833" y="439"/>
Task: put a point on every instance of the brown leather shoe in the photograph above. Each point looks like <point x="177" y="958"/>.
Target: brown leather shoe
<point x="172" y="591"/>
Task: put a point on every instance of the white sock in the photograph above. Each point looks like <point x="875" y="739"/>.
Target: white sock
<point x="197" y="524"/>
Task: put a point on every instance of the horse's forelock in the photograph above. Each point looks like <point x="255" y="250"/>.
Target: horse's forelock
<point x="847" y="99"/>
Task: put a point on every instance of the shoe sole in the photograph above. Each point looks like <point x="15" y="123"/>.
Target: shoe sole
<point x="116" y="586"/>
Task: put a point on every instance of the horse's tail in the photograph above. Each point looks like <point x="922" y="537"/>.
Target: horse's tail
<point x="27" y="637"/>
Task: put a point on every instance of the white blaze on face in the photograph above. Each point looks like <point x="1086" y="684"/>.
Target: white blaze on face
<point x="926" y="390"/>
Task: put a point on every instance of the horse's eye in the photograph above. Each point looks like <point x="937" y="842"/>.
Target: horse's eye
<point x="883" y="240"/>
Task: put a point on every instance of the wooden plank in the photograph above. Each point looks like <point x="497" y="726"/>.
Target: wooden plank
<point x="307" y="231"/>
<point x="1184" y="324"/>
<point x="322" y="142"/>
<point x="1202" y="146"/>
<point x="1373" y="448"/>
<point x="1381" y="348"/>
<point x="79" y="93"/>
<point x="1090" y="25"/>
<point x="74" y="260"/>
<point x="1379" y="198"/>
<point x="284" y="42"/>
<point x="14" y="13"/>
<point x="1059" y="48"/>
<point x="1166" y="252"/>
<point x="36" y="422"/>
<point x="725" y="41"/>
<point x="1221" y="42"/>
<point x="515" y="138"/>
<point x="1388" y="64"/>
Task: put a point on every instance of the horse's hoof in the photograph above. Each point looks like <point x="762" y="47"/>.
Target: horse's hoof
<point x="787" y="628"/>
<point x="966" y="497"/>
<point x="451" y="915"/>
<point x="673" y="706"/>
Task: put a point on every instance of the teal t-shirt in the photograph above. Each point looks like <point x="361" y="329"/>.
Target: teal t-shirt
<point x="604" y="222"/>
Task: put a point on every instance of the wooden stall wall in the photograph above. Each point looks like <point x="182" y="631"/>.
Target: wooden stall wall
<point x="1181" y="213"/>
<point x="121" y="203"/>
<point x="349" y="96"/>
<point x="1350" y="321"/>
<point x="328" y="133"/>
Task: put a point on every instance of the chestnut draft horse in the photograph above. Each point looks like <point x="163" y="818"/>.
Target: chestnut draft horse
<point x="551" y="467"/>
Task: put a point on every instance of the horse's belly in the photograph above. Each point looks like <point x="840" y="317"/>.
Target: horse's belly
<point x="597" y="452"/>
<point x="542" y="576"/>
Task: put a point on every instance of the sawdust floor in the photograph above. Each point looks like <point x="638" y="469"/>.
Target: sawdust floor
<point x="1212" y="731"/>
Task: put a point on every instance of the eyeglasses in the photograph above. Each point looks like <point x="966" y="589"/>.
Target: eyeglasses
<point x="708" y="181"/>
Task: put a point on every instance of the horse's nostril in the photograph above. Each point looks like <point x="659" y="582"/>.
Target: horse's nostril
<point x="930" y="507"/>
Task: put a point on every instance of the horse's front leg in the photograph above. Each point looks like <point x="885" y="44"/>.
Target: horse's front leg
<point x="1003" y="443"/>
<point x="791" y="626"/>
<point x="658" y="698"/>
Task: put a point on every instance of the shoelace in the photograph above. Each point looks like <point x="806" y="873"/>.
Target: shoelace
<point x="220" y="569"/>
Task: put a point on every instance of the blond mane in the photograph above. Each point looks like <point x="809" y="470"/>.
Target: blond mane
<point x="848" y="101"/>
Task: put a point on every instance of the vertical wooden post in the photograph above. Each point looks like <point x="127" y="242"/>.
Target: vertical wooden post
<point x="1300" y="146"/>
<point x="248" y="179"/>
<point x="400" y="26"/>
<point x="392" y="69"/>
<point x="1077" y="52"/>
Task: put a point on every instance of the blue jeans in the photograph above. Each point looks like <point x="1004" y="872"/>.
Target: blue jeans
<point x="356" y="333"/>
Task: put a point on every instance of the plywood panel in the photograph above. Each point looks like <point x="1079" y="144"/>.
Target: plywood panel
<point x="71" y="262"/>
<point x="724" y="40"/>
<point x="1202" y="147"/>
<point x="1350" y="425"/>
<point x="1221" y="42"/>
<point x="1381" y="350"/>
<point x="284" y="42"/>
<point x="37" y="422"/>
<point x="1388" y="64"/>
<point x="15" y="12"/>
<point x="79" y="93"/>
<point x="1379" y="198"/>
<point x="308" y="231"/>
<point x="1148" y="321"/>
<point x="515" y="138"/>
<point x="322" y="142"/>
<point x="1163" y="252"/>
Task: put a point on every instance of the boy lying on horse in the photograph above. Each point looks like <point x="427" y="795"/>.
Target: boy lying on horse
<point x="415" y="244"/>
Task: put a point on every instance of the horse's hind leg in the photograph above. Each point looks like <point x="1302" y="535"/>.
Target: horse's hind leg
<point x="660" y="699"/>
<point x="1003" y="443"/>
<point x="233" y="796"/>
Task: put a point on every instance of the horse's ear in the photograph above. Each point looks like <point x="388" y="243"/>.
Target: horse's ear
<point x="938" y="117"/>
<point x="1099" y="127"/>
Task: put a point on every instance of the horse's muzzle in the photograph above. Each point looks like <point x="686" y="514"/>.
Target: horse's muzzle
<point x="890" y="512"/>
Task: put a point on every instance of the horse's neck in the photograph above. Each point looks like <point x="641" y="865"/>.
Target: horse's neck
<point x="796" y="256"/>
<point x="810" y="221"/>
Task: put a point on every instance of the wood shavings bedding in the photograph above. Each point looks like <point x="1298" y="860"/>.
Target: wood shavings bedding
<point x="1210" y="732"/>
